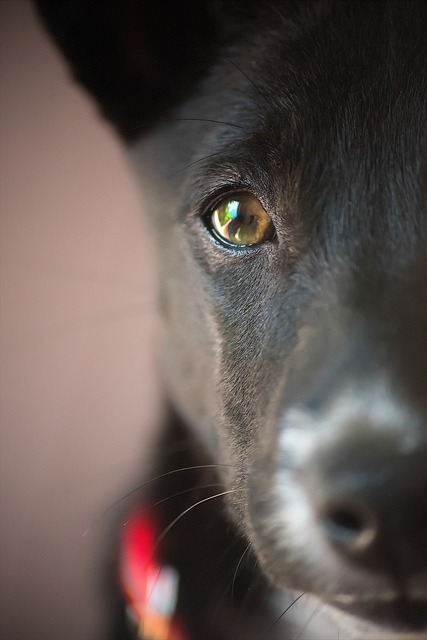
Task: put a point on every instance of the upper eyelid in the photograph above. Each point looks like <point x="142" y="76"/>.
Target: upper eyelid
<point x="202" y="197"/>
<point x="207" y="186"/>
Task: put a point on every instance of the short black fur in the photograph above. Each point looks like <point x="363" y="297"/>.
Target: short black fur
<point x="299" y="365"/>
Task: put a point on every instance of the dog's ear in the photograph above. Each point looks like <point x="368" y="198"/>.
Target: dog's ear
<point x="137" y="57"/>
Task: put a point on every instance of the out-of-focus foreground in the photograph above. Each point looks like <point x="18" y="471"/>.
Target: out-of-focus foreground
<point x="79" y="386"/>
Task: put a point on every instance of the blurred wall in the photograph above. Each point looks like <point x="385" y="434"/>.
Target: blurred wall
<point x="79" y="385"/>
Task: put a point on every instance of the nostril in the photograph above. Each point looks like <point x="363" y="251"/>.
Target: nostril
<point x="343" y="523"/>
<point x="349" y="526"/>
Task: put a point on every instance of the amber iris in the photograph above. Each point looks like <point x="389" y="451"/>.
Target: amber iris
<point x="241" y="220"/>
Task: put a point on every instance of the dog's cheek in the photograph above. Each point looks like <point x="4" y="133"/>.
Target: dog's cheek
<point x="189" y="340"/>
<point x="189" y="352"/>
<point x="255" y="325"/>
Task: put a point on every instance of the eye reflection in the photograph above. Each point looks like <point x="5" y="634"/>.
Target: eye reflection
<point x="241" y="220"/>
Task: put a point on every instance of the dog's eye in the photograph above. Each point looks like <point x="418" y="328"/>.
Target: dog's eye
<point x="241" y="220"/>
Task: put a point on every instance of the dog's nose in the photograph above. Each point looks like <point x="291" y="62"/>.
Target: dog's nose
<point x="370" y="498"/>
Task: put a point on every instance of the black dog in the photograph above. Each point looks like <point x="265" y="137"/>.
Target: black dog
<point x="281" y="149"/>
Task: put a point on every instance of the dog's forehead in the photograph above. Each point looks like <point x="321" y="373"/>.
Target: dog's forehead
<point x="332" y="97"/>
<point x="355" y="73"/>
<point x="346" y="61"/>
<point x="342" y="42"/>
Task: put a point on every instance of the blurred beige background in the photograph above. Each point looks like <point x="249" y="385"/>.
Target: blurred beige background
<point x="79" y="386"/>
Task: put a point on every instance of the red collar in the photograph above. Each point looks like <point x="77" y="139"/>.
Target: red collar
<point x="150" y="588"/>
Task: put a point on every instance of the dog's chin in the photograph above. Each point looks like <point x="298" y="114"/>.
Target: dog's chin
<point x="393" y="620"/>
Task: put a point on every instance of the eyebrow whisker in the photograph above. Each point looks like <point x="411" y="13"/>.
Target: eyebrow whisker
<point x="262" y="94"/>
<point x="228" y="124"/>
<point x="190" y="164"/>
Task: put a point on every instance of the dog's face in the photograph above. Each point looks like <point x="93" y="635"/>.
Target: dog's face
<point x="287" y="189"/>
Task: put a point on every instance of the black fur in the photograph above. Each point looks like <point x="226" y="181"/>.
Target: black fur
<point x="319" y="110"/>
